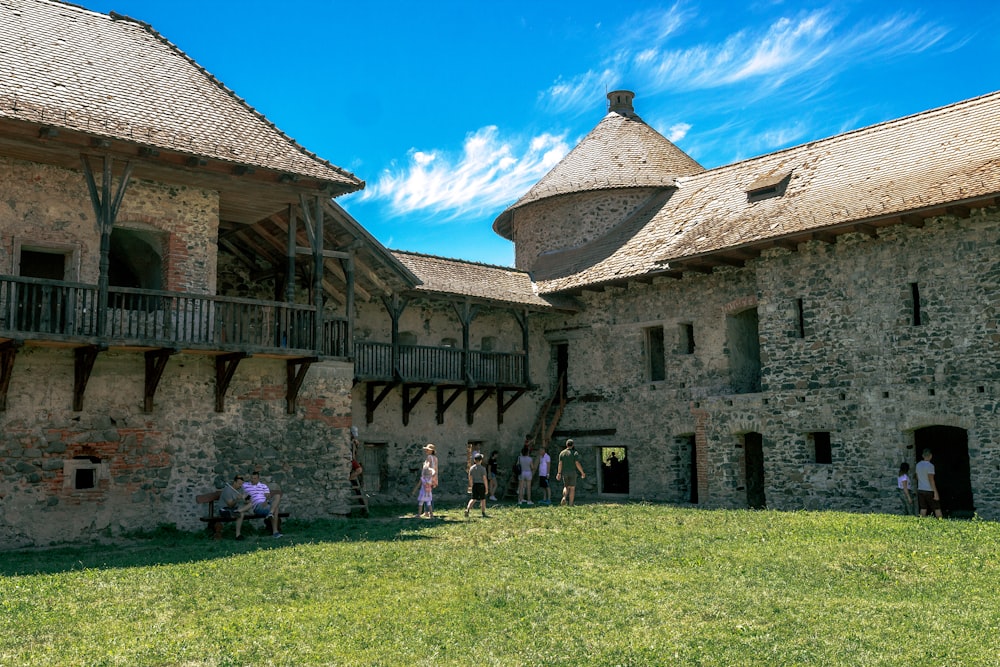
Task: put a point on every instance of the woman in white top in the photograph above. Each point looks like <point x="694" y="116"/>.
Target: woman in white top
<point x="524" y="482"/>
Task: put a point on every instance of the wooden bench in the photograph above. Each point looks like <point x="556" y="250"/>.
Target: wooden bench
<point x="215" y="520"/>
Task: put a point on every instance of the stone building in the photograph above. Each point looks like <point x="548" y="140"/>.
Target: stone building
<point x="181" y="299"/>
<point x="781" y="332"/>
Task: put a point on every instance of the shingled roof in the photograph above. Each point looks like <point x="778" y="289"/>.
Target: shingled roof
<point x="621" y="152"/>
<point x="442" y="276"/>
<point x="873" y="175"/>
<point x="115" y="77"/>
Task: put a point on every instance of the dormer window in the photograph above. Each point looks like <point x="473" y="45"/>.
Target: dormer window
<point x="771" y="185"/>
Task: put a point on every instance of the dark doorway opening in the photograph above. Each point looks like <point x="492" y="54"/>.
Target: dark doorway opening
<point x="753" y="451"/>
<point x="614" y="470"/>
<point x="562" y="368"/>
<point x="952" y="472"/>
<point x="42" y="308"/>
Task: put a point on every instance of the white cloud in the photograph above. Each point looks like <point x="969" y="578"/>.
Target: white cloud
<point x="490" y="172"/>
<point x="677" y="131"/>
<point x="771" y="54"/>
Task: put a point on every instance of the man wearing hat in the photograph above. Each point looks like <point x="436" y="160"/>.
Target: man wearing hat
<point x="569" y="464"/>
<point x="432" y="459"/>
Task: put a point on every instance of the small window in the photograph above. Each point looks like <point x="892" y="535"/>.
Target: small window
<point x="800" y="319"/>
<point x="820" y="444"/>
<point x="407" y="338"/>
<point x="83" y="472"/>
<point x="449" y="342"/>
<point x="686" y="339"/>
<point x="488" y="344"/>
<point x="770" y="185"/>
<point x="654" y="354"/>
<point x="915" y="315"/>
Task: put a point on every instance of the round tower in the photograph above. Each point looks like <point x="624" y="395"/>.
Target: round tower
<point x="615" y="171"/>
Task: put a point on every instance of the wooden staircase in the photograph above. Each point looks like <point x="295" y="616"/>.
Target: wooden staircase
<point x="541" y="432"/>
<point x="358" y="500"/>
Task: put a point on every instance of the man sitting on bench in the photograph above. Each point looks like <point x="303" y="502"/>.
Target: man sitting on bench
<point x="235" y="502"/>
<point x="263" y="503"/>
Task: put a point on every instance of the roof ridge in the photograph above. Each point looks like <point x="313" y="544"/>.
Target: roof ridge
<point x="459" y="261"/>
<point x="115" y="16"/>
<point x="844" y="136"/>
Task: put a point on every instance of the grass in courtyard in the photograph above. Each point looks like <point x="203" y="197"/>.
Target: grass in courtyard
<point x="591" y="585"/>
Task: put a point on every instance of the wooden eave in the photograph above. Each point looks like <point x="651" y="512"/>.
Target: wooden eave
<point x="500" y="304"/>
<point x="247" y="193"/>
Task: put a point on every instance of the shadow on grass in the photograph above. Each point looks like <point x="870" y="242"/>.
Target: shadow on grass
<point x="166" y="545"/>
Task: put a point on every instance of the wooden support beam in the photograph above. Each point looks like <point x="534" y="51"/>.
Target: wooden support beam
<point x="444" y="402"/>
<point x="83" y="364"/>
<point x="869" y="230"/>
<point x="156" y="362"/>
<point x="329" y="254"/>
<point x="473" y="403"/>
<point x="503" y="406"/>
<point x="372" y="401"/>
<point x="7" y="353"/>
<point x="410" y="403"/>
<point x="295" y="370"/>
<point x="225" y="367"/>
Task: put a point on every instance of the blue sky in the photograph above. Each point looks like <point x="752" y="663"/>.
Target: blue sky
<point x="451" y="110"/>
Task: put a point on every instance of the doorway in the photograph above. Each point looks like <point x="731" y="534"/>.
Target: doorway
<point x="42" y="308"/>
<point x="753" y="452"/>
<point x="562" y="368"/>
<point x="614" y="470"/>
<point x="949" y="447"/>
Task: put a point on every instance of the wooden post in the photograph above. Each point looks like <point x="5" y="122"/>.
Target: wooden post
<point x="106" y="211"/>
<point x="318" y="275"/>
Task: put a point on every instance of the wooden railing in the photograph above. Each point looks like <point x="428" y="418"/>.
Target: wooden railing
<point x="56" y="310"/>
<point x="437" y="365"/>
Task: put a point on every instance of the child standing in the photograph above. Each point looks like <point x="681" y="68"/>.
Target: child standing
<point x="903" y="486"/>
<point x="478" y="482"/>
<point x="426" y="491"/>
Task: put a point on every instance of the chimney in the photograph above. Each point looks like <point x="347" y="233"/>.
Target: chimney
<point x="620" y="101"/>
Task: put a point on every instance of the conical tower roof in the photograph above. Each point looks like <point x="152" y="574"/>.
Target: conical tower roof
<point x="621" y="152"/>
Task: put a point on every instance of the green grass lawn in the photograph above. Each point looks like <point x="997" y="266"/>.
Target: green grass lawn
<point x="590" y="585"/>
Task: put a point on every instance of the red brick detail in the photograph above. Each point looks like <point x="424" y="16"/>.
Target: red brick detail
<point x="316" y="410"/>
<point x="739" y="305"/>
<point x="135" y="461"/>
<point x="267" y="392"/>
<point x="701" y="449"/>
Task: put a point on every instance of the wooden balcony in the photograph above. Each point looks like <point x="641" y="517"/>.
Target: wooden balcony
<point x="422" y="364"/>
<point x="58" y="312"/>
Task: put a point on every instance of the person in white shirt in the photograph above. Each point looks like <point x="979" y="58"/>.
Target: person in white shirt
<point x="928" y="497"/>
<point x="265" y="503"/>
<point x="544" y="463"/>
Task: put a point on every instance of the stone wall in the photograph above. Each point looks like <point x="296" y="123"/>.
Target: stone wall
<point x="48" y="207"/>
<point x="854" y="365"/>
<point x="571" y="220"/>
<point x="149" y="467"/>
<point x="401" y="445"/>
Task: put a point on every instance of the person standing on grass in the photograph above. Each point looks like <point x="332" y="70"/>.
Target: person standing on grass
<point x="432" y="461"/>
<point x="927" y="491"/>
<point x="493" y="469"/>
<point x="543" y="465"/>
<point x="425" y="490"/>
<point x="524" y="481"/>
<point x="903" y="486"/>
<point x="569" y="465"/>
<point x="235" y="502"/>
<point x="264" y="502"/>
<point x="478" y="481"/>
